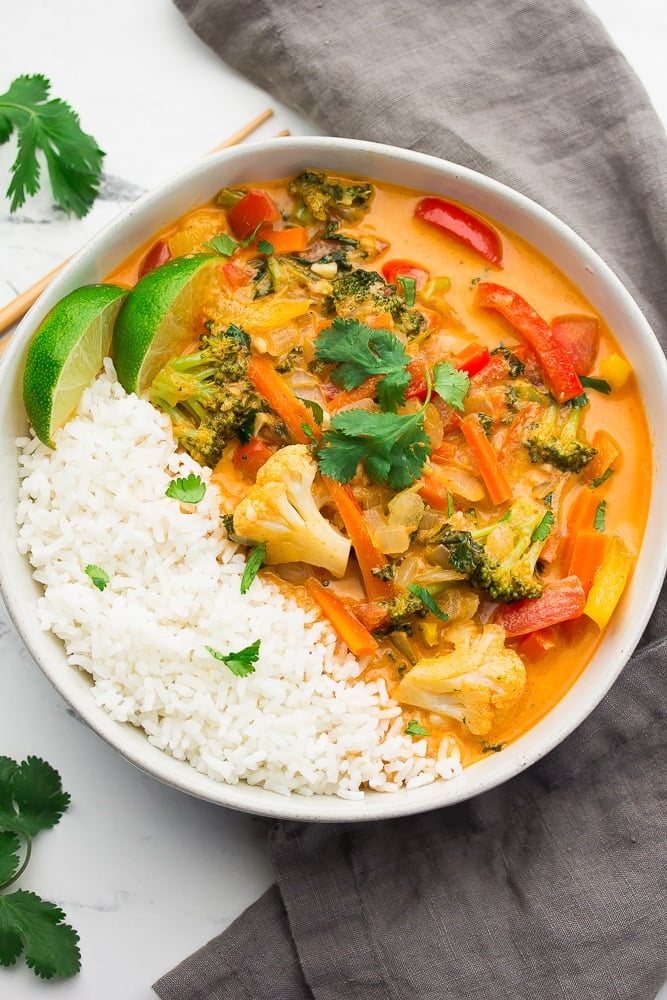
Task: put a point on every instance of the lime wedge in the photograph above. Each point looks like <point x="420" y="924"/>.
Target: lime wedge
<point x="66" y="354"/>
<point x="158" y="318"/>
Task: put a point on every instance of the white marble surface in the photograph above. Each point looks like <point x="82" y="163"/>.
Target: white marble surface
<point x="144" y="873"/>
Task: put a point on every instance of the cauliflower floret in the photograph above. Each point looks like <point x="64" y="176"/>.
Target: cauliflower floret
<point x="280" y="510"/>
<point x="479" y="682"/>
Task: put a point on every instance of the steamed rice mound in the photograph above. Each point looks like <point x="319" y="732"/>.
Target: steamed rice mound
<point x="302" y="722"/>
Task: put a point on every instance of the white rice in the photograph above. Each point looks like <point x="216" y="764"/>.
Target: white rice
<point x="302" y="722"/>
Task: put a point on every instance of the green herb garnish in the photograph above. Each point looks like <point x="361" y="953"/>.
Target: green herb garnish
<point x="265" y="247"/>
<point x="599" y="480"/>
<point x="190" y="489"/>
<point x="359" y="353"/>
<point x="599" y="521"/>
<point x="31" y="800"/>
<point x="415" y="729"/>
<point x="427" y="600"/>
<point x="240" y="663"/>
<point x="73" y="158"/>
<point x="543" y="529"/>
<point x="253" y="563"/>
<point x="599" y="384"/>
<point x="450" y="384"/>
<point x="392" y="448"/>
<point x="99" y="577"/>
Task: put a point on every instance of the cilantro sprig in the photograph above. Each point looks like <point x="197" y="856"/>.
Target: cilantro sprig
<point x="361" y="352"/>
<point x="51" y="127"/>
<point x="188" y="489"/>
<point x="242" y="662"/>
<point x="393" y="448"/>
<point x="31" y="800"/>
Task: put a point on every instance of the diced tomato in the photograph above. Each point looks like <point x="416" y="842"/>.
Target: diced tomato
<point x="462" y="226"/>
<point x="557" y="367"/>
<point x="579" y="336"/>
<point x="247" y="214"/>
<point x="395" y="269"/>
<point x="250" y="457"/>
<point x="560" y="602"/>
<point x="158" y="254"/>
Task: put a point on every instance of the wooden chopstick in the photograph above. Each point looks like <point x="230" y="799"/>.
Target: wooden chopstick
<point x="18" y="307"/>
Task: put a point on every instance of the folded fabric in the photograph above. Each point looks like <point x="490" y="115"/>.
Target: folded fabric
<point x="553" y="885"/>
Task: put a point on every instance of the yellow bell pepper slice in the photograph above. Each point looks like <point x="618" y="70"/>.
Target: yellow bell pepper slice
<point x="615" y="370"/>
<point x="609" y="582"/>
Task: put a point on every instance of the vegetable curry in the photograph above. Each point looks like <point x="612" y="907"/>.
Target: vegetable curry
<point x="420" y="426"/>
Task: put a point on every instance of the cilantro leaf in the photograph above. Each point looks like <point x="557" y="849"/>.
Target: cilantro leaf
<point x="264" y="246"/>
<point x="73" y="158"/>
<point x="31" y="796"/>
<point x="10" y="846"/>
<point x="359" y="353"/>
<point x="599" y="522"/>
<point x="190" y="489"/>
<point x="30" y="923"/>
<point x="427" y="600"/>
<point x="543" y="529"/>
<point x="414" y="728"/>
<point x="599" y="384"/>
<point x="224" y="244"/>
<point x="99" y="577"/>
<point x="450" y="384"/>
<point x="241" y="663"/>
<point x="315" y="409"/>
<point x="392" y="448"/>
<point x="253" y="563"/>
<point x="599" y="480"/>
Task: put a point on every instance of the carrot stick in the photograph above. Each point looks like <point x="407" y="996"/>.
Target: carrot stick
<point x="588" y="552"/>
<point x="581" y="515"/>
<point x="607" y="453"/>
<point x="434" y="491"/>
<point x="280" y="398"/>
<point x="358" y="640"/>
<point x="364" y="391"/>
<point x="368" y="555"/>
<point x="490" y="469"/>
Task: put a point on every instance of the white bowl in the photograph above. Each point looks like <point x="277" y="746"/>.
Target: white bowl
<point x="281" y="158"/>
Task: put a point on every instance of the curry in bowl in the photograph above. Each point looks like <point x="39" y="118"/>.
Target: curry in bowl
<point x="372" y="476"/>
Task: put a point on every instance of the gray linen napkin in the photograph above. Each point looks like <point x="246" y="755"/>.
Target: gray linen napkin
<point x="555" y="884"/>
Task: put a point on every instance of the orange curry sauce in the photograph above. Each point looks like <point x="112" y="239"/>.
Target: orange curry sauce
<point x="391" y="218"/>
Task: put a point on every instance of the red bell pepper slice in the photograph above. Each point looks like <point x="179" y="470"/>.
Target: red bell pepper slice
<point x="557" y="367"/>
<point x="462" y="226"/>
<point x="251" y="211"/>
<point x="579" y="336"/>
<point x="560" y="602"/>
<point x="158" y="254"/>
<point x="395" y="269"/>
<point x="472" y="359"/>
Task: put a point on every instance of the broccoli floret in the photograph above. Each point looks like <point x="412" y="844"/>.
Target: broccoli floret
<point x="324" y="197"/>
<point x="555" y="439"/>
<point x="478" y="683"/>
<point x="360" y="294"/>
<point x="207" y="394"/>
<point x="501" y="557"/>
